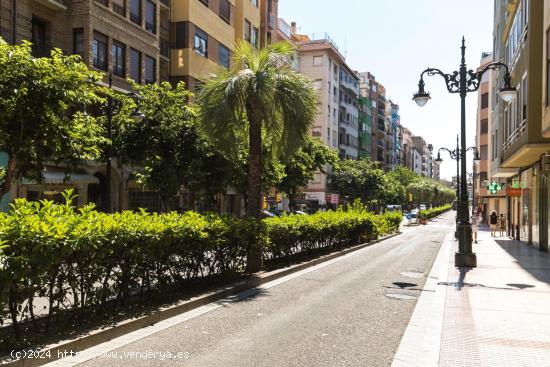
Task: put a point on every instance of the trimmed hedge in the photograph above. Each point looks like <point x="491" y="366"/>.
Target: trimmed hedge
<point x="81" y="259"/>
<point x="434" y="212"/>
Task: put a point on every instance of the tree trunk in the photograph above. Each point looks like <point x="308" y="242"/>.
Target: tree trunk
<point x="254" y="188"/>
<point x="291" y="200"/>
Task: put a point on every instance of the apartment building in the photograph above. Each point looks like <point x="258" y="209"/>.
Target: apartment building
<point x="122" y="36"/>
<point x="425" y="150"/>
<point x="269" y="11"/>
<point x="407" y="151"/>
<point x="204" y="34"/>
<point x="486" y="200"/>
<point x="519" y="34"/>
<point x="436" y="169"/>
<point x="348" y="114"/>
<point x="365" y="118"/>
<point x="393" y="137"/>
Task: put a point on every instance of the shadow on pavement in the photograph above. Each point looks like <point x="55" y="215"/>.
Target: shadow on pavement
<point x="532" y="260"/>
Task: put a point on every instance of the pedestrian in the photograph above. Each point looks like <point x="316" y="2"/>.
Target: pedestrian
<point x="493" y="219"/>
<point x="501" y="225"/>
<point x="475" y="222"/>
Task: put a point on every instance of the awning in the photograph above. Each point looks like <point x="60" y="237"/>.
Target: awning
<point x="59" y="178"/>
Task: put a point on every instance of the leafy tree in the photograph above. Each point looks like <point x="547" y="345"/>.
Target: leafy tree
<point x="300" y="169"/>
<point x="362" y="179"/>
<point x="39" y="121"/>
<point x="167" y="147"/>
<point x="260" y="99"/>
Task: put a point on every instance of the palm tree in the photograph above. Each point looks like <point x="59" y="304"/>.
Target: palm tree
<point x="259" y="100"/>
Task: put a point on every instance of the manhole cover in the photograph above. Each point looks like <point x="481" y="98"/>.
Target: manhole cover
<point x="399" y="296"/>
<point x="412" y="274"/>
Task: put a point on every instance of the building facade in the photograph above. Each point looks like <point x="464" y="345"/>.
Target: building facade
<point x="348" y="114"/>
<point x="486" y="201"/>
<point x="525" y="141"/>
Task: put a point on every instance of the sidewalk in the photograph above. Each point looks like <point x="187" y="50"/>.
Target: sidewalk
<point x="497" y="314"/>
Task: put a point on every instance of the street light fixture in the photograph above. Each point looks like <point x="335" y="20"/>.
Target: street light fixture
<point x="463" y="82"/>
<point x="112" y="108"/>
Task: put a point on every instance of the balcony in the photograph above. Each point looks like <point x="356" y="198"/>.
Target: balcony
<point x="53" y="4"/>
<point x="41" y="50"/>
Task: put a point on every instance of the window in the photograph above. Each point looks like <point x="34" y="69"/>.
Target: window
<point x="150" y="72"/>
<point x="180" y="36"/>
<point x="78" y="41"/>
<point x="201" y="43"/>
<point x="135" y="11"/>
<point x="119" y="7"/>
<point x="225" y="10"/>
<point x="255" y="3"/>
<point x="102" y="2"/>
<point x="247" y="30"/>
<point x="150" y="16"/>
<point x="224" y="56"/>
<point x="119" y="59"/>
<point x="483" y="152"/>
<point x="255" y="33"/>
<point x="99" y="49"/>
<point x="135" y="65"/>
<point x="484" y="100"/>
<point x="484" y="126"/>
<point x="317" y="60"/>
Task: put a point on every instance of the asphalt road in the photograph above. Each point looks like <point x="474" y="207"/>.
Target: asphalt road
<point x="337" y="315"/>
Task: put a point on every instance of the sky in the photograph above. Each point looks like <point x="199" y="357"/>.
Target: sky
<point x="396" y="40"/>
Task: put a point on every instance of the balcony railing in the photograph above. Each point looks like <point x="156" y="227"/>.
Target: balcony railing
<point x="121" y="10"/>
<point x="53" y="4"/>
<point x="41" y="50"/>
<point x="514" y="135"/>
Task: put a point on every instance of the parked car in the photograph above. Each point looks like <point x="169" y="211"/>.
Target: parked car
<point x="267" y="214"/>
<point x="422" y="207"/>
<point x="393" y="208"/>
<point x="414" y="213"/>
<point x="299" y="212"/>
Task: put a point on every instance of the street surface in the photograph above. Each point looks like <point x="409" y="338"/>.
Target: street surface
<point x="337" y="315"/>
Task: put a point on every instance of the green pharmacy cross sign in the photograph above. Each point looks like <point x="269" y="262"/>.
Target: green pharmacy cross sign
<point x="494" y="187"/>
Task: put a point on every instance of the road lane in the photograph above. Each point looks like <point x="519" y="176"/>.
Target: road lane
<point x="337" y="315"/>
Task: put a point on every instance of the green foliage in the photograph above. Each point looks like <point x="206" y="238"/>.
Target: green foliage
<point x="259" y="102"/>
<point x="81" y="260"/>
<point x="298" y="235"/>
<point x="38" y="120"/>
<point x="2" y="175"/>
<point x="300" y="168"/>
<point x="434" y="212"/>
<point x="361" y="179"/>
<point x="167" y="148"/>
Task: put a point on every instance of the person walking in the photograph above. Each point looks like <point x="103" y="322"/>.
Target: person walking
<point x="474" y="221"/>
<point x="493" y="220"/>
<point x="501" y="225"/>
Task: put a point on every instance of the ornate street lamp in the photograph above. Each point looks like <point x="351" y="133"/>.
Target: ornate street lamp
<point x="462" y="82"/>
<point x="112" y="108"/>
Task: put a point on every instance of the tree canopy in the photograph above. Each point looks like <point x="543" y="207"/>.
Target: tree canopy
<point x="40" y="115"/>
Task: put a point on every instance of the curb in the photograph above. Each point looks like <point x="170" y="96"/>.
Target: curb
<point x="98" y="336"/>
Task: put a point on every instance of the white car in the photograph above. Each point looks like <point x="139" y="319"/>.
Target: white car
<point x="414" y="213"/>
<point x="422" y="207"/>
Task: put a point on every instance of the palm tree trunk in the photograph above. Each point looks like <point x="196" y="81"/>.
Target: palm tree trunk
<point x="254" y="188"/>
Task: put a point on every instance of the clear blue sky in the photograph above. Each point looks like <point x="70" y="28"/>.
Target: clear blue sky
<point x="397" y="39"/>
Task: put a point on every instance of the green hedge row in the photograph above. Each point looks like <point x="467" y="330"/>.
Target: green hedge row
<point x="434" y="212"/>
<point x="54" y="257"/>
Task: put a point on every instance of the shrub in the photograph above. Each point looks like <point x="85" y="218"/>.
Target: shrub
<point x="80" y="259"/>
<point x="434" y="212"/>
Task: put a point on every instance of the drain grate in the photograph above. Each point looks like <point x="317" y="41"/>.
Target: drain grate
<point x="412" y="274"/>
<point x="400" y="296"/>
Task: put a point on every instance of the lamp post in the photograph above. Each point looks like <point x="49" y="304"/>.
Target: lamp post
<point x="463" y="82"/>
<point x="112" y="108"/>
